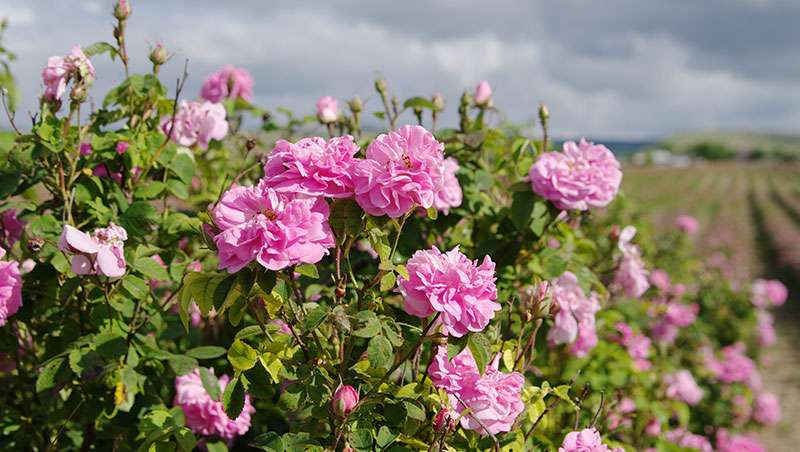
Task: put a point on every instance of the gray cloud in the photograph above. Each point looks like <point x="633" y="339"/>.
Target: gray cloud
<point x="618" y="68"/>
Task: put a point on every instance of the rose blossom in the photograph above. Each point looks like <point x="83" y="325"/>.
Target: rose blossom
<point x="660" y="279"/>
<point x="228" y="83"/>
<point x="734" y="366"/>
<point x="85" y="149"/>
<point x="327" y="109"/>
<point x="60" y="70"/>
<point x="403" y="169"/>
<point x="196" y="123"/>
<point x="313" y="166"/>
<point x="121" y="147"/>
<point x="344" y="400"/>
<point x="450" y="283"/>
<point x="101" y="170"/>
<point x="737" y="443"/>
<point x="206" y="416"/>
<point x="768" y="291"/>
<point x="493" y="399"/>
<point x="445" y="420"/>
<point x="483" y="94"/>
<point x="449" y="193"/>
<point x="586" y="440"/>
<point x="687" y="224"/>
<point x="10" y="228"/>
<point x="98" y="254"/>
<point x="582" y="176"/>
<point x="638" y="345"/>
<point x="689" y="440"/>
<point x="766" y="330"/>
<point x="619" y="415"/>
<point x="10" y="288"/>
<point x="275" y="229"/>
<point x="681" y="386"/>
<point x="631" y="274"/>
<point x="767" y="409"/>
<point x="574" y="319"/>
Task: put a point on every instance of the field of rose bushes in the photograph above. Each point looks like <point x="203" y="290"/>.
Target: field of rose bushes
<point x="173" y="280"/>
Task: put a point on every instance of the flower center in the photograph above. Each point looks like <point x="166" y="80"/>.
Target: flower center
<point x="407" y="161"/>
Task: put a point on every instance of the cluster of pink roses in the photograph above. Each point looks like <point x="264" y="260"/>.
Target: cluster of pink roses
<point x="734" y="366"/>
<point x="10" y="228"/>
<point x="582" y="176"/>
<point x="682" y="386"/>
<point x="669" y="312"/>
<point x="638" y="345"/>
<point x="206" y="416"/>
<point x="586" y="440"/>
<point x="768" y="292"/>
<point x="60" y="70"/>
<point x="98" y="254"/>
<point x="631" y="276"/>
<point x="493" y="399"/>
<point x="574" y="321"/>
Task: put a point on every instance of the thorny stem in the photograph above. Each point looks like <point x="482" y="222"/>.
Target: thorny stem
<point x="579" y="403"/>
<point x="529" y="345"/>
<point x="599" y="408"/>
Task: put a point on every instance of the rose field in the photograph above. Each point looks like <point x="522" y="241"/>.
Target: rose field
<point x="194" y="270"/>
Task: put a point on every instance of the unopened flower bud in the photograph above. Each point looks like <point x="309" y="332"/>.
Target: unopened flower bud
<point x="122" y="10"/>
<point x="438" y="102"/>
<point x="544" y="113"/>
<point x="356" y="106"/>
<point x="466" y="98"/>
<point x="158" y="55"/>
<point x="380" y="85"/>
<point x="344" y="400"/>
<point x="614" y="234"/>
<point x="445" y="420"/>
<point x="78" y="93"/>
<point x="483" y="94"/>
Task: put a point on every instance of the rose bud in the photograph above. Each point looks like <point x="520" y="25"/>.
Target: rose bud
<point x="344" y="400"/>
<point x="483" y="94"/>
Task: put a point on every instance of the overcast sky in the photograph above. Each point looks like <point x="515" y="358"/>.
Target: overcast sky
<point x="606" y="68"/>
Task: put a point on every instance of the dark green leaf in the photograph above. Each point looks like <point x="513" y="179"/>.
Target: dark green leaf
<point x="206" y="352"/>
<point x="210" y="383"/>
<point x="379" y="352"/>
<point x="316" y="317"/>
<point x="233" y="398"/>
<point x="481" y="350"/>
<point x="309" y="270"/>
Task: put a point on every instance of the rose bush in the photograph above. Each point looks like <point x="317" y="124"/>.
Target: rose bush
<point x="171" y="281"/>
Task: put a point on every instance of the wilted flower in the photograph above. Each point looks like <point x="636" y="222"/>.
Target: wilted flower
<point x="344" y="400"/>
<point x="275" y="229"/>
<point x="586" y="440"/>
<point x="60" y="70"/>
<point x="631" y="275"/>
<point x="583" y="176"/>
<point x="681" y="386"/>
<point x="403" y="169"/>
<point x="196" y="123"/>
<point x="327" y="109"/>
<point x="98" y="254"/>
<point x="10" y="288"/>
<point x="449" y="283"/>
<point x="228" y="83"/>
<point x="313" y="166"/>
<point x="206" y="416"/>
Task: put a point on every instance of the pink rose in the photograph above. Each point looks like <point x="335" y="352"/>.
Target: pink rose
<point x="734" y="366"/>
<point x="327" y="109"/>
<point x="653" y="428"/>
<point x="449" y="283"/>
<point x="197" y="123"/>
<point x="85" y="149"/>
<point x="449" y="193"/>
<point x="101" y="170"/>
<point x="768" y="291"/>
<point x="681" y="386"/>
<point x="445" y="420"/>
<point x="584" y="175"/>
<point x="344" y="400"/>
<point x="404" y="169"/>
<point x="586" y="440"/>
<point x="766" y="329"/>
<point x="121" y="147"/>
<point x="10" y="228"/>
<point x="275" y="229"/>
<point x="689" y="440"/>
<point x="631" y="275"/>
<point x="767" y="409"/>
<point x="638" y="346"/>
<point x="483" y="94"/>
<point x="574" y="318"/>
<point x="10" y="288"/>
<point x="687" y="224"/>
<point x="60" y="70"/>
<point x="737" y="443"/>
<point x="660" y="279"/>
<point x="206" y="416"/>
<point x="313" y="166"/>
<point x="228" y="83"/>
<point x="98" y="254"/>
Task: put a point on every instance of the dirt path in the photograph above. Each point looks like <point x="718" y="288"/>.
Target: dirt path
<point x="781" y="372"/>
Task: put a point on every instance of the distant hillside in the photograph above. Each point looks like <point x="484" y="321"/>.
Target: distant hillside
<point x="741" y="144"/>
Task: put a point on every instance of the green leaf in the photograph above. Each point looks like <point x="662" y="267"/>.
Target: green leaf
<point x="481" y="349"/>
<point x="241" y="355"/>
<point x="210" y="383"/>
<point x="202" y="287"/>
<point x="206" y="352"/>
<point x="361" y="439"/>
<point x="136" y="287"/>
<point x="379" y="352"/>
<point x="216" y="446"/>
<point x="185" y="438"/>
<point x="183" y="166"/>
<point x="137" y="218"/>
<point x="316" y="317"/>
<point x="178" y="188"/>
<point x="181" y="364"/>
<point x="51" y="374"/>
<point x="270" y="441"/>
<point x="388" y="281"/>
<point x="309" y="270"/>
<point x="150" y="268"/>
<point x="149" y="190"/>
<point x="233" y="398"/>
<point x="522" y="204"/>
<point x="418" y="102"/>
<point x="346" y="217"/>
<point x="385" y="437"/>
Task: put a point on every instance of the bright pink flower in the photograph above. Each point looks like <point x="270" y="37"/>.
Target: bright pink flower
<point x="574" y="319"/>
<point x="98" y="254"/>
<point x="586" y="440"/>
<point x="206" y="416"/>
<point x="631" y="275"/>
<point x="10" y="288"/>
<point x="483" y="94"/>
<point x="766" y="329"/>
<point x="60" y="70"/>
<point x="403" y="169"/>
<point x="660" y="279"/>
<point x="197" y="123"/>
<point x="228" y="83"/>
<point x="671" y="316"/>
<point x="687" y="224"/>
<point x="734" y="366"/>
<point x="453" y="375"/>
<point x="768" y="291"/>
<point x="121" y="147"/>
<point x="638" y="346"/>
<point x="737" y="443"/>
<point x="344" y="400"/>
<point x="767" y="409"/>
<point x="85" y="149"/>
<point x="313" y="166"/>
<point x="10" y="228"/>
<point x="282" y="326"/>
<point x="449" y="193"/>
<point x="101" y="170"/>
<point x="449" y="283"/>
<point x="620" y="414"/>
<point x="275" y="229"/>
<point x="583" y="176"/>
<point x="689" y="440"/>
<point x="681" y="386"/>
<point x="327" y="109"/>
